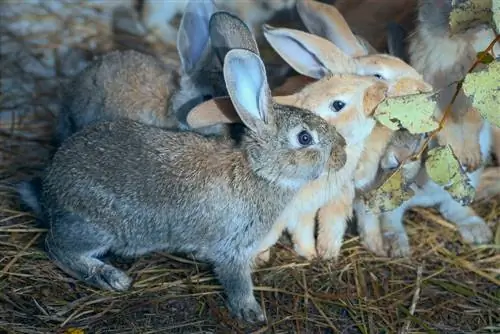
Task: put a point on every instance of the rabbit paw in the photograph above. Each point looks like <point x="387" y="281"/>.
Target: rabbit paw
<point x="262" y="258"/>
<point x="375" y="244"/>
<point x="248" y="310"/>
<point x="110" y="278"/>
<point x="396" y="244"/>
<point x="475" y="231"/>
<point x="306" y="251"/>
<point x="329" y="249"/>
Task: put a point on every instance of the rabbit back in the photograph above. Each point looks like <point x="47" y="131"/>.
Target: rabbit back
<point x="119" y="84"/>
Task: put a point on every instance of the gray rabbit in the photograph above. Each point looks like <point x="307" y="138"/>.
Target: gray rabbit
<point x="130" y="188"/>
<point x="138" y="86"/>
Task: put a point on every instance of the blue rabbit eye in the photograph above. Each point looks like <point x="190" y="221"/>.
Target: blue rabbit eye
<point x="305" y="138"/>
<point x="378" y="76"/>
<point x="338" y="105"/>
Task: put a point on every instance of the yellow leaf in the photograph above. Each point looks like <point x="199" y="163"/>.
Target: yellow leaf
<point x="72" y="330"/>
<point x="483" y="88"/>
<point x="412" y="112"/>
<point x="470" y="14"/>
<point x="443" y="168"/>
<point x="391" y="194"/>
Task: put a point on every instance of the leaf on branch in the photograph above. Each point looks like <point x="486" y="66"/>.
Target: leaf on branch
<point x="483" y="88"/>
<point x="470" y="14"/>
<point x="414" y="113"/>
<point x="485" y="57"/>
<point x="392" y="193"/>
<point x="443" y="168"/>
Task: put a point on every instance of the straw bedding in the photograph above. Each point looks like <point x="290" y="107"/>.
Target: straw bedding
<point x="446" y="286"/>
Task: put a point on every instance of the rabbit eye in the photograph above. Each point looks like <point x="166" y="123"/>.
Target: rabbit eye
<point x="305" y="138"/>
<point x="338" y="105"/>
<point x="378" y="76"/>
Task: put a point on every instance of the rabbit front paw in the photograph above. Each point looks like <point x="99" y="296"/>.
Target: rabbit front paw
<point x="396" y="244"/>
<point x="328" y="248"/>
<point x="262" y="258"/>
<point x="109" y="278"/>
<point x="247" y="310"/>
<point x="375" y="243"/>
<point x="304" y="250"/>
<point x="475" y="231"/>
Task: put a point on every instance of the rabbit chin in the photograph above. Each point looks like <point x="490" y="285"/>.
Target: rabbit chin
<point x="357" y="132"/>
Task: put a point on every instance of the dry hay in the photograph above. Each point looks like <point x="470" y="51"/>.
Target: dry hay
<point x="446" y="287"/>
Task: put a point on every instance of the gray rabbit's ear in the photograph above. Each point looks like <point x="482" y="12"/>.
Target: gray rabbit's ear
<point x="193" y="34"/>
<point x="245" y="77"/>
<point x="326" y="21"/>
<point x="396" y="36"/>
<point x="228" y="32"/>
<point x="219" y="110"/>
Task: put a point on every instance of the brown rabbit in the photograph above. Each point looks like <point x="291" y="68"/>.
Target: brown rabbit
<point x="138" y="86"/>
<point x="443" y="59"/>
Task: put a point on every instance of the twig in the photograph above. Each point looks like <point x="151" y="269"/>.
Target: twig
<point x="414" y="301"/>
<point x="446" y="113"/>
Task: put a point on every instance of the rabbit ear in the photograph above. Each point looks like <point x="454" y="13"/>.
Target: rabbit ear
<point x="326" y="21"/>
<point x="395" y="40"/>
<point x="245" y="77"/>
<point x="192" y="37"/>
<point x="219" y="110"/>
<point x="227" y="32"/>
<point x="408" y="86"/>
<point x="374" y="94"/>
<point x="310" y="55"/>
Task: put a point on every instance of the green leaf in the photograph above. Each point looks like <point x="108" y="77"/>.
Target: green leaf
<point x="486" y="57"/>
<point x="483" y="88"/>
<point x="443" y="168"/>
<point x="412" y="112"/>
<point x="470" y="14"/>
<point x="391" y="194"/>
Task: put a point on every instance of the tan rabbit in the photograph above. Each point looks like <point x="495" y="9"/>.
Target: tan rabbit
<point x="314" y="56"/>
<point x="157" y="15"/>
<point x="346" y="101"/>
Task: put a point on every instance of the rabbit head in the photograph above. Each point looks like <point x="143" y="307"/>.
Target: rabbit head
<point x="205" y="36"/>
<point x="402" y="146"/>
<point x="334" y="48"/>
<point x="294" y="139"/>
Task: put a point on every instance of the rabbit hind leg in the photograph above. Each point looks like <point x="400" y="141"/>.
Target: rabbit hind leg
<point x="75" y="246"/>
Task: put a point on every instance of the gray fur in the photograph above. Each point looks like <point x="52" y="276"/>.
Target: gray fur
<point x="130" y="189"/>
<point x="396" y="36"/>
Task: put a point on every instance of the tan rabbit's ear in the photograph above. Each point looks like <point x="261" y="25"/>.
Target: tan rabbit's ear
<point x="219" y="110"/>
<point x="408" y="86"/>
<point x="326" y="21"/>
<point x="308" y="54"/>
<point x="375" y="94"/>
